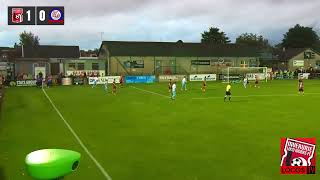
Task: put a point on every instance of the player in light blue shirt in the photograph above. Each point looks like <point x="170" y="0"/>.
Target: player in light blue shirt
<point x="245" y="82"/>
<point x="95" y="80"/>
<point x="106" y="86"/>
<point x="174" y="91"/>
<point x="184" y="84"/>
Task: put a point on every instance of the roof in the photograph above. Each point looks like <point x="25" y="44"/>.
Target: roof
<point x="289" y="53"/>
<point x="6" y="49"/>
<point x="46" y="51"/>
<point x="179" y="49"/>
<point x="89" y="58"/>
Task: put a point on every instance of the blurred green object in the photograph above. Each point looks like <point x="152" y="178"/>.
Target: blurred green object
<point x="51" y="163"/>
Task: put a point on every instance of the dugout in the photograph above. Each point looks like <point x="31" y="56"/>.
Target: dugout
<point x="89" y="65"/>
<point x="167" y="58"/>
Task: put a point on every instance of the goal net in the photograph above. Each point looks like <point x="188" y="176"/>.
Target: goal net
<point x="236" y="74"/>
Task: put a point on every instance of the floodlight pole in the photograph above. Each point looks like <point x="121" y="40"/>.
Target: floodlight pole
<point x="228" y="74"/>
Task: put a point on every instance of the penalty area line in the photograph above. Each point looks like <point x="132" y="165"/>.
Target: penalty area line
<point x="150" y="92"/>
<point x="102" y="170"/>
<point x="258" y="95"/>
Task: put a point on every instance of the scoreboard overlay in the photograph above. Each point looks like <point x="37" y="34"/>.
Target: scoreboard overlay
<point x="40" y="15"/>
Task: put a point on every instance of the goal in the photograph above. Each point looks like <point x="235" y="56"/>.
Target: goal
<point x="236" y="74"/>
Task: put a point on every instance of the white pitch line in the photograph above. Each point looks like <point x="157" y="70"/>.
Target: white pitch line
<point x="151" y="92"/>
<point x="259" y="95"/>
<point x="103" y="171"/>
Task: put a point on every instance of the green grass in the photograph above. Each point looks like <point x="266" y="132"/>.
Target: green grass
<point x="137" y="135"/>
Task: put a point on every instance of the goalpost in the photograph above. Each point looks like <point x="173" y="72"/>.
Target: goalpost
<point x="238" y="73"/>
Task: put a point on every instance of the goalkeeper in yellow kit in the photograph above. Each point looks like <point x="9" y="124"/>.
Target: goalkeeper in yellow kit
<point x="228" y="92"/>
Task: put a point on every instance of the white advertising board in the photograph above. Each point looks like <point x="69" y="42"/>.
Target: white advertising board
<point x="200" y="77"/>
<point x="252" y="76"/>
<point x="166" y="78"/>
<point x="102" y="80"/>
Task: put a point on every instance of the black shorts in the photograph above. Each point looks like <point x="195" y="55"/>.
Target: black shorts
<point x="228" y="93"/>
<point x="257" y="82"/>
<point x="301" y="89"/>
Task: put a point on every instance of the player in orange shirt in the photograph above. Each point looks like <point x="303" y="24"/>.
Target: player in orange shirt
<point x="204" y="84"/>
<point x="114" y="87"/>
<point x="170" y="86"/>
<point x="256" y="84"/>
<point x="121" y="81"/>
<point x="301" y="86"/>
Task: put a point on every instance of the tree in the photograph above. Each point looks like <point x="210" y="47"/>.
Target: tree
<point x="214" y="36"/>
<point x="300" y="37"/>
<point x="254" y="40"/>
<point x="96" y="51"/>
<point x="278" y="46"/>
<point x="28" y="39"/>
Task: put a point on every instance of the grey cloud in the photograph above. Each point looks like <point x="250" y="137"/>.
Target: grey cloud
<point x="90" y="8"/>
<point x="166" y="20"/>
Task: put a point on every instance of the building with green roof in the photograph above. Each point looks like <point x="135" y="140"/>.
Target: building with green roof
<point x="144" y="58"/>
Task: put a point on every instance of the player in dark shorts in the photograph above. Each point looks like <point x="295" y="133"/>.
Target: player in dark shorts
<point x="170" y="86"/>
<point x="204" y="84"/>
<point x="228" y="92"/>
<point x="301" y="86"/>
<point x="49" y="81"/>
<point x="114" y="87"/>
<point x="256" y="83"/>
<point x="121" y="81"/>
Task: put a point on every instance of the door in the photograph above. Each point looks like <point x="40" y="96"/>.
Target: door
<point x="158" y="67"/>
<point x="55" y="68"/>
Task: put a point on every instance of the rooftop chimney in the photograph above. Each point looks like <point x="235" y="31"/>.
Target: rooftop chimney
<point x="22" y="51"/>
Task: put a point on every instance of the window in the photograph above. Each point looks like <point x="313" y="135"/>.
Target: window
<point x="253" y="63"/>
<point x="95" y="66"/>
<point x="318" y="64"/>
<point x="4" y="57"/>
<point x="200" y="62"/>
<point x="80" y="66"/>
<point x="134" y="64"/>
<point x="309" y="55"/>
<point x="243" y="64"/>
<point x="72" y="66"/>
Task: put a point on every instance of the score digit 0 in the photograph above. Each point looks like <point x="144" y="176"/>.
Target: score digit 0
<point x="42" y="15"/>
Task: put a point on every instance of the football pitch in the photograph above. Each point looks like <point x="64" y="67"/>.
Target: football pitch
<point x="140" y="134"/>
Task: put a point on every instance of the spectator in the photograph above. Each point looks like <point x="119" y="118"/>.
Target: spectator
<point x="1" y="81"/>
<point x="40" y="75"/>
<point x="49" y="81"/>
<point x="39" y="82"/>
<point x="59" y="79"/>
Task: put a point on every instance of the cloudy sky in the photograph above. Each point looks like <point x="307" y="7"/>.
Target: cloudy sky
<point x="162" y="20"/>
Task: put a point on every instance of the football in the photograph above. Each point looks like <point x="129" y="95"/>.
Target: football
<point x="296" y="162"/>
